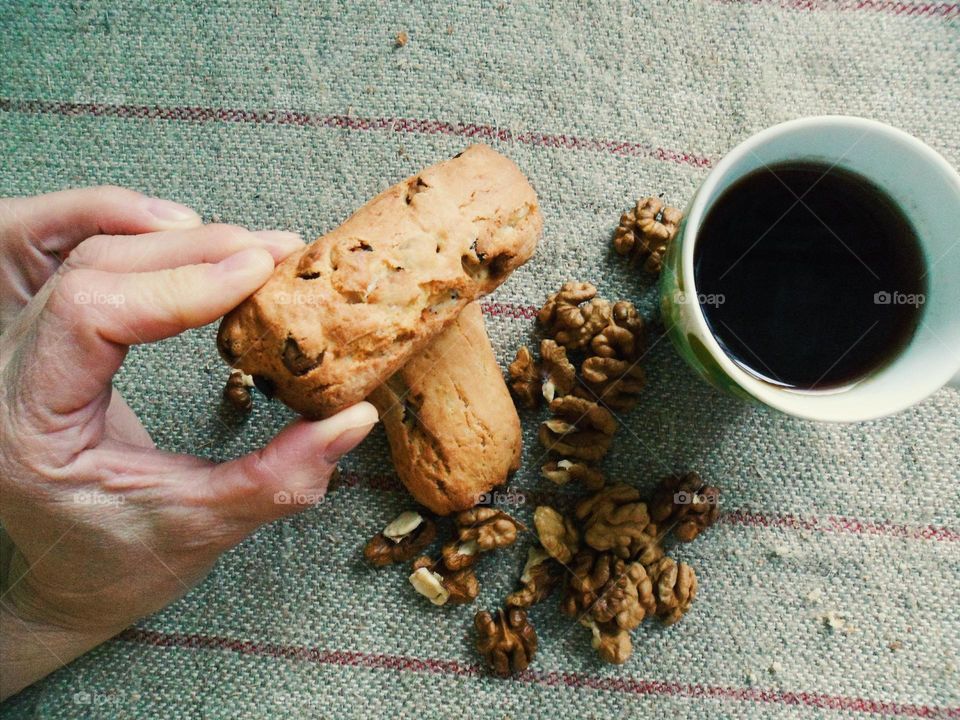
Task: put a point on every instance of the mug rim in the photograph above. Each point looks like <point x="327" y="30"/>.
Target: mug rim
<point x="796" y="402"/>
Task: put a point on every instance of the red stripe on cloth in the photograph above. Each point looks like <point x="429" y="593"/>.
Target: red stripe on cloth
<point x="743" y="517"/>
<point x="841" y="524"/>
<point x="894" y="7"/>
<point x="414" y="126"/>
<point x="623" y="684"/>
<point x="509" y="310"/>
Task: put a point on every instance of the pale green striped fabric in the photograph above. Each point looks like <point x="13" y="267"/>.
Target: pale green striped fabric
<point x="598" y="104"/>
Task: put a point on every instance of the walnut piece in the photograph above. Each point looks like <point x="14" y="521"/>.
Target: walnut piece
<point x="627" y="598"/>
<point x="611" y="597"/>
<point x="613" y="383"/>
<point x="488" y="527"/>
<point x="614" y="519"/>
<point x="580" y="429"/>
<point x="236" y="393"/>
<point x="430" y="585"/>
<point x="685" y="503"/>
<point x="612" y="375"/>
<point x="574" y="315"/>
<point x="558" y="374"/>
<point x="674" y="587"/>
<point x="507" y="643"/>
<point x="645" y="232"/>
<point x="456" y="587"/>
<point x="625" y="337"/>
<point x="612" y="644"/>
<point x="563" y="471"/>
<point x="557" y="533"/>
<point x="457" y="555"/>
<point x="525" y="379"/>
<point x="401" y="540"/>
<point x="587" y="574"/>
<point x="541" y="574"/>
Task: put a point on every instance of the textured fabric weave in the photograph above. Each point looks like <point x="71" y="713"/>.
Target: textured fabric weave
<point x="290" y="115"/>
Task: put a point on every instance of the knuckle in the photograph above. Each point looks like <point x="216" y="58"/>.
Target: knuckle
<point x="88" y="253"/>
<point x="74" y="290"/>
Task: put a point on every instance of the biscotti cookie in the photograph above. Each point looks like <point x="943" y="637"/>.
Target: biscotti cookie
<point x="453" y="429"/>
<point x="336" y="319"/>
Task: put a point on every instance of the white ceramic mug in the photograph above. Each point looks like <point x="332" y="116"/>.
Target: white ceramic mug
<point x="926" y="189"/>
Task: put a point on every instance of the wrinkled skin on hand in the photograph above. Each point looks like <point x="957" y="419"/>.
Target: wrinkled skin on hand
<point x="101" y="526"/>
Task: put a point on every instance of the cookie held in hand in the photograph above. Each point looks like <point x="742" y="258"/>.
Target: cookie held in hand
<point x="354" y="306"/>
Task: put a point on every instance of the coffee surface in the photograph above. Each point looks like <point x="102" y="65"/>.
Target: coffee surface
<point x="809" y="276"/>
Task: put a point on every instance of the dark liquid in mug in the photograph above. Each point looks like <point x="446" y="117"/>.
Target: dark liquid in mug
<point x="816" y="293"/>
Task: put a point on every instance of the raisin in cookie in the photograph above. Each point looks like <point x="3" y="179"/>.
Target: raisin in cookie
<point x="453" y="429"/>
<point x="338" y="318"/>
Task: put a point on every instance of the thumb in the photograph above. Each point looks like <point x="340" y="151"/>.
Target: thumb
<point x="291" y="472"/>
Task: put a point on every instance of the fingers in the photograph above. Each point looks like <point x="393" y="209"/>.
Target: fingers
<point x="172" y="248"/>
<point x="57" y="222"/>
<point x="92" y="316"/>
<point x="291" y="472"/>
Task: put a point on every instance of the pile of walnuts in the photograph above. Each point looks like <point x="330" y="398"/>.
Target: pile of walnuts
<point x="508" y="641"/>
<point x="608" y="559"/>
<point x="608" y="556"/>
<point x="607" y="340"/>
<point x="449" y="579"/>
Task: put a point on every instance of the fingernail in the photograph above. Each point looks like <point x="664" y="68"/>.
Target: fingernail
<point x="345" y="442"/>
<point x="171" y="212"/>
<point x="356" y="422"/>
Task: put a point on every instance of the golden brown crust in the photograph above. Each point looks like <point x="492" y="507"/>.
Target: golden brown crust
<point x="453" y="429"/>
<point x="348" y="311"/>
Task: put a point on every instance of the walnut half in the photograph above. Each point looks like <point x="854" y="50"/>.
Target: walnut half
<point x="563" y="471"/>
<point x="574" y="314"/>
<point x="443" y="586"/>
<point x="490" y="528"/>
<point x="525" y="378"/>
<point x="557" y="533"/>
<point x="236" y="393"/>
<point x="580" y="429"/>
<point x="614" y="519"/>
<point x="402" y="539"/>
<point x="507" y="642"/>
<point x="541" y="574"/>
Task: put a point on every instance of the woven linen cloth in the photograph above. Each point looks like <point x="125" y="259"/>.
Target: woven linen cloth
<point x="290" y="114"/>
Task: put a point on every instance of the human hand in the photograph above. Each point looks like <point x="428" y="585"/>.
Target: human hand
<point x="103" y="527"/>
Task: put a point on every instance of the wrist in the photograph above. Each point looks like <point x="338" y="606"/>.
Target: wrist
<point x="31" y="649"/>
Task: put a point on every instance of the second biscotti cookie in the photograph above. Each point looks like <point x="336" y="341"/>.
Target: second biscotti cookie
<point x="348" y="311"/>
<point x="453" y="429"/>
